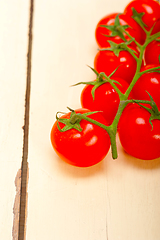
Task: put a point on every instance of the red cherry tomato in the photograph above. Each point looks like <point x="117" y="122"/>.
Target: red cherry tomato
<point x="106" y="61"/>
<point x="85" y="148"/>
<point x="106" y="99"/>
<point x="152" y="52"/>
<point x="156" y="28"/>
<point x="136" y="134"/>
<point x="109" y="20"/>
<point x="150" y="8"/>
<point x="149" y="82"/>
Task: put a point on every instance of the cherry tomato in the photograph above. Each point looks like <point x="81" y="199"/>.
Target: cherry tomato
<point x="152" y="52"/>
<point x="156" y="27"/>
<point x="106" y="61"/>
<point x="136" y="134"/>
<point x="106" y="99"/>
<point x="150" y="8"/>
<point x="85" y="148"/>
<point x="109" y="20"/>
<point x="149" y="82"/>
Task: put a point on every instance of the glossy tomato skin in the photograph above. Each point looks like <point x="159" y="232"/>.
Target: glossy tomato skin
<point x="109" y="20"/>
<point x="149" y="82"/>
<point x="156" y="27"/>
<point x="152" y="52"/>
<point x="106" y="61"/>
<point x="151" y="9"/>
<point x="106" y="99"/>
<point x="136" y="134"/>
<point x="85" y="148"/>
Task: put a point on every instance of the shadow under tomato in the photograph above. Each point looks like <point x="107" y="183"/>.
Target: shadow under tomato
<point x="139" y="163"/>
<point x="81" y="172"/>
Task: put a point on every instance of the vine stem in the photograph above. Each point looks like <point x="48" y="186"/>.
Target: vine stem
<point x="137" y="73"/>
<point x="121" y="95"/>
<point x="112" y="129"/>
<point x="113" y="145"/>
<point x="138" y="44"/>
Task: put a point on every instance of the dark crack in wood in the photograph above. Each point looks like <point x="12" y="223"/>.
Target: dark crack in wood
<point x="24" y="166"/>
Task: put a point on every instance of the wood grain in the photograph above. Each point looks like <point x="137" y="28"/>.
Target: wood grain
<point x="25" y="170"/>
<point x="13" y="51"/>
<point x="114" y="200"/>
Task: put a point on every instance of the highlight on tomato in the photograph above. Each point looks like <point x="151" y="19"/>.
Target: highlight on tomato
<point x="78" y="141"/>
<point x="137" y="135"/>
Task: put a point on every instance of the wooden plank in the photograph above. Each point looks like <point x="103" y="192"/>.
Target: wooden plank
<point x="25" y="171"/>
<point x="13" y="50"/>
<point x="114" y="200"/>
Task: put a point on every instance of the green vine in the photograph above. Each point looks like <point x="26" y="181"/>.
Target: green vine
<point x="74" y="121"/>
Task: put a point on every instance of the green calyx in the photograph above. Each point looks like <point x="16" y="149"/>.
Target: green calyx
<point x="138" y="17"/>
<point x="117" y="29"/>
<point x="150" y="70"/>
<point x="75" y="118"/>
<point x="100" y="80"/>
<point x="118" y="47"/>
<point x="155" y="114"/>
<point x="73" y="122"/>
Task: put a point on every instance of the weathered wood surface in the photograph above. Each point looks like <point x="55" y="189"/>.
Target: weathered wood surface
<point x="114" y="200"/>
<point x="14" y="16"/>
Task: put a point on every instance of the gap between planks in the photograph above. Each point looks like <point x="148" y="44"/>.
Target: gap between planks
<point x="23" y="172"/>
<point x="24" y="165"/>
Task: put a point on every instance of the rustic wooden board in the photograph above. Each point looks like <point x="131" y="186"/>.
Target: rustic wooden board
<point x="14" y="17"/>
<point x="114" y="200"/>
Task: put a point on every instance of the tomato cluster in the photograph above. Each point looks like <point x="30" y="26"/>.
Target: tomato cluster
<point x="125" y="96"/>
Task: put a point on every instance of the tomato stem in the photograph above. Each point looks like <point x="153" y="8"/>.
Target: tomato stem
<point x="74" y="121"/>
<point x="82" y="116"/>
<point x="123" y="97"/>
<point x="131" y="52"/>
<point x="112" y="135"/>
<point x="150" y="70"/>
<point x="111" y="130"/>
<point x="137" y="43"/>
<point x="137" y="73"/>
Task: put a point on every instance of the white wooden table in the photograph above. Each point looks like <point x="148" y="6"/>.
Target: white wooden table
<point x="114" y="200"/>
